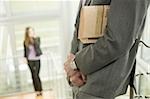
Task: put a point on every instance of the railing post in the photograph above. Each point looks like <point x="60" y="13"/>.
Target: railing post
<point x="131" y="93"/>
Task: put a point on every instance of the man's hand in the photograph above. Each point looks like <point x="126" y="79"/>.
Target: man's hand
<point x="67" y="65"/>
<point x="76" y="77"/>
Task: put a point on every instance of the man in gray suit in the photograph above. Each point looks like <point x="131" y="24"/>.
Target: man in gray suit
<point x="109" y="64"/>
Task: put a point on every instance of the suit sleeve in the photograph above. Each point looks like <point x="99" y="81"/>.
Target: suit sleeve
<point x="74" y="43"/>
<point x="75" y="40"/>
<point x="96" y="56"/>
<point x="118" y="39"/>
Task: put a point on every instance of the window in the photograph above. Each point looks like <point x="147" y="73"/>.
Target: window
<point x="45" y="18"/>
<point x="146" y="38"/>
<point x="33" y="6"/>
<point x="2" y="8"/>
<point x="47" y="30"/>
<point x="1" y="38"/>
<point x="143" y="62"/>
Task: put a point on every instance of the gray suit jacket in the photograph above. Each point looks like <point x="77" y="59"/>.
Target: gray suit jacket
<point x="110" y="62"/>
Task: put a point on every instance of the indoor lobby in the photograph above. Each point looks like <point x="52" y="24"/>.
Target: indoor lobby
<point x="53" y="21"/>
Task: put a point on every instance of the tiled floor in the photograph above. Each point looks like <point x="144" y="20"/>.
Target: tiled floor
<point x="46" y="95"/>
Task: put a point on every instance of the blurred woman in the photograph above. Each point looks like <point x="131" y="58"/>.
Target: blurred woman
<point x="32" y="53"/>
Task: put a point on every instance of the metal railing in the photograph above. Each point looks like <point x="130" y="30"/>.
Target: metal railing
<point x="18" y="80"/>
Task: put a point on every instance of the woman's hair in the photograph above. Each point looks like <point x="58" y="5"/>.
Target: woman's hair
<point x="28" y="40"/>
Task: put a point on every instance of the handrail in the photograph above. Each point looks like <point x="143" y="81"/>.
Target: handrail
<point x="20" y="56"/>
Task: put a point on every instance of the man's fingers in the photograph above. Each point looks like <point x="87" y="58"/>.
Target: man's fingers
<point x="77" y="80"/>
<point x="68" y="62"/>
<point x="78" y="83"/>
<point x="67" y="65"/>
<point x="71" y="57"/>
<point x="83" y="77"/>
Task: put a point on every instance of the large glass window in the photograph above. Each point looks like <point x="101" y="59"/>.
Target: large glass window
<point x="53" y="21"/>
<point x="33" y="6"/>
<point x="146" y="38"/>
<point x="2" y="8"/>
<point x="44" y="17"/>
<point x="143" y="62"/>
<point x="48" y="30"/>
<point x="1" y="38"/>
